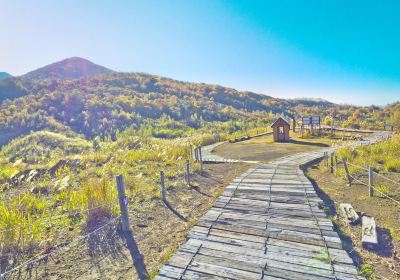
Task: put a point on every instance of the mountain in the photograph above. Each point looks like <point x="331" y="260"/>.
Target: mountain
<point x="68" y="69"/>
<point x="4" y="75"/>
<point x="78" y="96"/>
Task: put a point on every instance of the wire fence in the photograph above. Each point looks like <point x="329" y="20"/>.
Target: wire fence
<point x="16" y="253"/>
<point x="362" y="176"/>
<point x="52" y="219"/>
<point x="58" y="249"/>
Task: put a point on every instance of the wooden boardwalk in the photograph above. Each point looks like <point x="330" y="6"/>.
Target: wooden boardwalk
<point x="268" y="224"/>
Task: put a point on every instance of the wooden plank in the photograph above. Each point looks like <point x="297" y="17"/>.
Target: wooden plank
<point x="249" y="234"/>
<point x="255" y="260"/>
<point x="226" y="272"/>
<point x="273" y="224"/>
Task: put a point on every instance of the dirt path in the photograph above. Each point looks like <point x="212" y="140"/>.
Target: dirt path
<point x="262" y="149"/>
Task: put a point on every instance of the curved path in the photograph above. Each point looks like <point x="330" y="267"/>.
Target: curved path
<point x="268" y="224"/>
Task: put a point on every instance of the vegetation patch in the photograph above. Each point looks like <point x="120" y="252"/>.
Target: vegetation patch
<point x="43" y="146"/>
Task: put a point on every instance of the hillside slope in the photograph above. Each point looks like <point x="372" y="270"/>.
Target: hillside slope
<point x="103" y="105"/>
<point x="4" y="75"/>
<point x="103" y="102"/>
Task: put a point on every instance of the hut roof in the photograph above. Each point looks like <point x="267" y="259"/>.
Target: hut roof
<point x="280" y="118"/>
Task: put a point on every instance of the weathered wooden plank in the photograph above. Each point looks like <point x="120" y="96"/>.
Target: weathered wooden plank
<point x="285" y="223"/>
<point x="226" y="272"/>
<point x="255" y="260"/>
<point x="273" y="225"/>
<point x="249" y="234"/>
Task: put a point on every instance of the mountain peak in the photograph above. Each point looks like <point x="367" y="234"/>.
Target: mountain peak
<point x="68" y="69"/>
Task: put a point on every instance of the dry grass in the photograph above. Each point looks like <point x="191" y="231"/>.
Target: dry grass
<point x="157" y="230"/>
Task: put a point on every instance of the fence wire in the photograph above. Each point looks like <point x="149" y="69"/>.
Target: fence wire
<point x="58" y="249"/>
<point x="364" y="169"/>
<point x="52" y="219"/>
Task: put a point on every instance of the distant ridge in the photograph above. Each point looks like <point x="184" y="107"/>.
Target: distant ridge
<point x="68" y="69"/>
<point x="4" y="75"/>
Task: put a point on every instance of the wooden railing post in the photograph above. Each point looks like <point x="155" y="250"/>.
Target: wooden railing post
<point x="336" y="163"/>
<point x="196" y="154"/>
<point x="331" y="167"/>
<point x="371" y="181"/>
<point x="201" y="161"/>
<point x="123" y="203"/>
<point x="162" y="185"/>
<point x="326" y="159"/>
<point x="188" y="172"/>
<point x="346" y="168"/>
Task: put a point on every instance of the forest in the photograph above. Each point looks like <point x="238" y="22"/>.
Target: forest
<point x="104" y="105"/>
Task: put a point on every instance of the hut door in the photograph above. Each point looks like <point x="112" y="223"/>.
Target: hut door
<point x="281" y="133"/>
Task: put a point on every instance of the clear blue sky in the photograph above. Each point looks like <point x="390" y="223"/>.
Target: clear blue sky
<point x="343" y="51"/>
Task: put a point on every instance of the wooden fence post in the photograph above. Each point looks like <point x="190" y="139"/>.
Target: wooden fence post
<point x="326" y="159"/>
<point x="162" y="181"/>
<point x="331" y="167"/>
<point x="190" y="152"/>
<point x="196" y="154"/>
<point x="201" y="160"/>
<point x="371" y="181"/>
<point x="346" y="168"/>
<point x="336" y="162"/>
<point x="188" y="172"/>
<point x="123" y="203"/>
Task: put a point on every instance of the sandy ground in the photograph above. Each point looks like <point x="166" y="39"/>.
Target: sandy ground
<point x="264" y="149"/>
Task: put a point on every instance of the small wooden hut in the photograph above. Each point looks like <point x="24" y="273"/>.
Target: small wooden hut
<point x="281" y="128"/>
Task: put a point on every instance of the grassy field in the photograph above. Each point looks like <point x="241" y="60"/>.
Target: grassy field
<point x="265" y="150"/>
